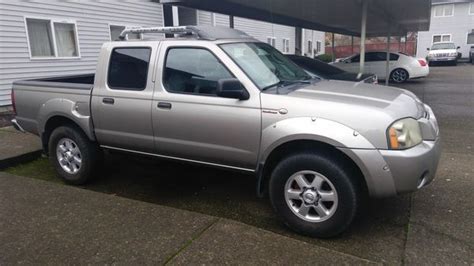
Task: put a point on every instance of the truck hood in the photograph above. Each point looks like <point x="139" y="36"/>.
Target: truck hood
<point x="367" y="108"/>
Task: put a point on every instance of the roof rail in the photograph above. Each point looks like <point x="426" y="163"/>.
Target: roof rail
<point x="165" y="30"/>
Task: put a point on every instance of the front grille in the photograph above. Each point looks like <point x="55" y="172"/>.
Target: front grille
<point x="442" y="55"/>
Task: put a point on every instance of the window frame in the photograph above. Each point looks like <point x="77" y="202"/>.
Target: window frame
<point x="53" y="37"/>
<point x="163" y="69"/>
<point x="441" y="35"/>
<point x="147" y="70"/>
<point x="318" y="47"/>
<point x="286" y="45"/>
<point x="471" y="9"/>
<point x="444" y="10"/>
<point x="310" y="48"/>
<point x="272" y="40"/>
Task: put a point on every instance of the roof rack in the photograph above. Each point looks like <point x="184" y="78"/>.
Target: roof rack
<point x="201" y="32"/>
<point x="165" y="30"/>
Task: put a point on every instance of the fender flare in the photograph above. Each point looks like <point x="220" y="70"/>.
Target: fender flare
<point x="78" y="112"/>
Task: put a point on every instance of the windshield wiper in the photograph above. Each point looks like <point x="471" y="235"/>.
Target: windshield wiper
<point x="283" y="83"/>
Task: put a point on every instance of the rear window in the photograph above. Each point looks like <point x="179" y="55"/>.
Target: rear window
<point x="128" y="69"/>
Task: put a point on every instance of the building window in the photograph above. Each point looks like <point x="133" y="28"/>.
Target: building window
<point x="128" y="68"/>
<point x="443" y="11"/>
<point x="441" y="38"/>
<point x="52" y="38"/>
<point x="471" y="8"/>
<point x="470" y="37"/>
<point x="309" y="49"/>
<point x="115" y="31"/>
<point x="271" y="41"/>
<point x="318" y="47"/>
<point x="286" y="45"/>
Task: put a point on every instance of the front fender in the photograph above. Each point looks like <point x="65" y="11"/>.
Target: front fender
<point x="78" y="112"/>
<point x="310" y="128"/>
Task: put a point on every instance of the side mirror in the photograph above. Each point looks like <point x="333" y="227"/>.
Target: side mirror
<point x="459" y="47"/>
<point x="427" y="49"/>
<point x="231" y="88"/>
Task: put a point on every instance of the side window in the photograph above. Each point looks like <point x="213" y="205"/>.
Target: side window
<point x="355" y="59"/>
<point x="394" y="57"/>
<point x="193" y="71"/>
<point x="128" y="68"/>
<point x="371" y="57"/>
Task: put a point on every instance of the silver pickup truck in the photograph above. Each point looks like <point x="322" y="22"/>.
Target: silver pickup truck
<point x="217" y="97"/>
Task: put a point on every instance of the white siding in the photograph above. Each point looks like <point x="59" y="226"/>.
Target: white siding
<point x="315" y="36"/>
<point x="92" y="18"/>
<point x="205" y="18"/>
<point x="457" y="25"/>
<point x="261" y="30"/>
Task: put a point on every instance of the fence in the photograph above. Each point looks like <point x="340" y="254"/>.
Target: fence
<point x="347" y="50"/>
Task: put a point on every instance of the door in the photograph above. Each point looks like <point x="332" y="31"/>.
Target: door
<point x="378" y="63"/>
<point x="122" y="104"/>
<point x="191" y="122"/>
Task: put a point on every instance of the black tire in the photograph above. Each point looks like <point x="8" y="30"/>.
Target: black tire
<point x="402" y="77"/>
<point x="90" y="154"/>
<point x="348" y="193"/>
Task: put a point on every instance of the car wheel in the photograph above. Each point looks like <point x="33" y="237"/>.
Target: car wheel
<point x="314" y="195"/>
<point x="399" y="75"/>
<point x="73" y="155"/>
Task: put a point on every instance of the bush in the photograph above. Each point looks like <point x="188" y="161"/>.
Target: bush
<point x="325" y="57"/>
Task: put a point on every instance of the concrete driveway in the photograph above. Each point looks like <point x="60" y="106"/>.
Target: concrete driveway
<point x="432" y="226"/>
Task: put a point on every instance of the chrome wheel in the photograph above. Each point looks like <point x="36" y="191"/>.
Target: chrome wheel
<point x="311" y="196"/>
<point x="68" y="155"/>
<point x="399" y="75"/>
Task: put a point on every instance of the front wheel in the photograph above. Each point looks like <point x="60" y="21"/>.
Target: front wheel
<point x="73" y="155"/>
<point x="399" y="75"/>
<point x="314" y="194"/>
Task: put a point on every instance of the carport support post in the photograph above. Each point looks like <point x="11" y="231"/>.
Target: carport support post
<point x="363" y="30"/>
<point x="387" y="63"/>
<point x="333" y="52"/>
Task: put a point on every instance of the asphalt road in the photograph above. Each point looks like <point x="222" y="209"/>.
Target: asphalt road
<point x="433" y="225"/>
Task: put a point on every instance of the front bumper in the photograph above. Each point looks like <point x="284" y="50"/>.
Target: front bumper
<point x="413" y="168"/>
<point x="442" y="59"/>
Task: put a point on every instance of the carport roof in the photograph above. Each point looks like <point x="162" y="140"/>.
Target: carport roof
<point x="338" y="16"/>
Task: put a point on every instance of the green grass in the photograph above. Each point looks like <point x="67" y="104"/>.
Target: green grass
<point x="40" y="169"/>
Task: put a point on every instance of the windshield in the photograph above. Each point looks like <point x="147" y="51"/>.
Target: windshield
<point x="440" y="46"/>
<point x="265" y="65"/>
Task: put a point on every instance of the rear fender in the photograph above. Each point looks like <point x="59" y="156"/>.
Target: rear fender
<point x="78" y="112"/>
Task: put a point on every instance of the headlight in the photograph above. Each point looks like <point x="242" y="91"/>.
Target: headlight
<point x="453" y="54"/>
<point x="403" y="134"/>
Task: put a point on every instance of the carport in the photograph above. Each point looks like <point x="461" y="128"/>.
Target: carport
<point x="364" y="18"/>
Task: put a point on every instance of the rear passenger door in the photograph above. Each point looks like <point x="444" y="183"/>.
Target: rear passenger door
<point x="190" y="121"/>
<point x="122" y="99"/>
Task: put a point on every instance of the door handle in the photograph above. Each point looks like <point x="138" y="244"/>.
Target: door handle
<point x="108" y="100"/>
<point x="163" y="105"/>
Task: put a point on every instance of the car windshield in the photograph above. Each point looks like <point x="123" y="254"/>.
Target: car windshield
<point x="440" y="46"/>
<point x="265" y="65"/>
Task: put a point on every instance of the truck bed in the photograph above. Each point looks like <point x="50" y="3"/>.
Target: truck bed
<point x="37" y="99"/>
<point x="85" y="82"/>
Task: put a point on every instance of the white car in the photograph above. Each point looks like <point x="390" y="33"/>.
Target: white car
<point x="402" y="66"/>
<point x="443" y="52"/>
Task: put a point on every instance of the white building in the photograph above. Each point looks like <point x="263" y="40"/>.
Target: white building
<point x="451" y="21"/>
<point x="48" y="38"/>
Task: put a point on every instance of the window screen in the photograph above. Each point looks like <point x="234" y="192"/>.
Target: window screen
<point x="470" y="37"/>
<point x="128" y="68"/>
<point x="193" y="70"/>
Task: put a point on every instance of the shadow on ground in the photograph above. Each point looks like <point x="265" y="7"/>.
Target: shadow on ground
<point x="378" y="233"/>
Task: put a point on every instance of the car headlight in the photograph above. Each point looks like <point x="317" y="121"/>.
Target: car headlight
<point x="453" y="54"/>
<point x="403" y="134"/>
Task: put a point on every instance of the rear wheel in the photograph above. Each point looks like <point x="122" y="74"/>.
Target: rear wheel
<point x="314" y="194"/>
<point x="73" y="155"/>
<point x="399" y="75"/>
